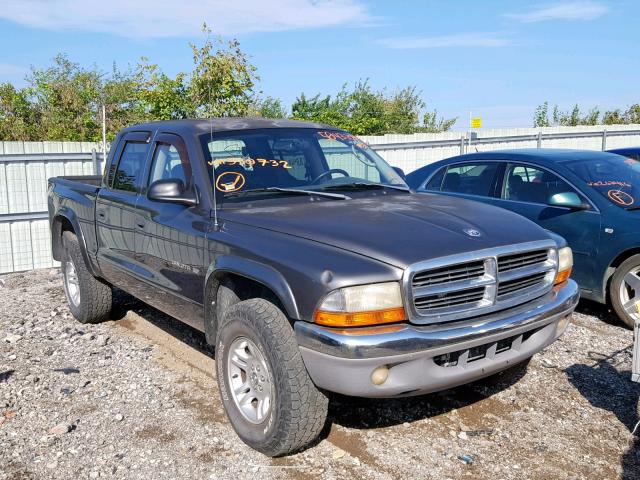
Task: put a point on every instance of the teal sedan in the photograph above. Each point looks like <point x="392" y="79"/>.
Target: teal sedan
<point x="590" y="198"/>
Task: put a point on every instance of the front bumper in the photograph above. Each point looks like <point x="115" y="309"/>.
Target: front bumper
<point x="418" y="358"/>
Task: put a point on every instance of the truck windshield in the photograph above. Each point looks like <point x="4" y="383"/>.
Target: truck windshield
<point x="615" y="177"/>
<point x="253" y="161"/>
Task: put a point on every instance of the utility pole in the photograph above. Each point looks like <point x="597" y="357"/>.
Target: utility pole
<point x="104" y="134"/>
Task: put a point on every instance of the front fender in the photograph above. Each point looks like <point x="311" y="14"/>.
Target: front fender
<point x="251" y="269"/>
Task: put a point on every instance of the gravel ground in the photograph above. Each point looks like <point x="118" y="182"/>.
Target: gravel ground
<point x="136" y="398"/>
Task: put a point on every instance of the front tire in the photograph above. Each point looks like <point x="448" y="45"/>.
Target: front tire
<point x="90" y="299"/>
<point x="624" y="291"/>
<point x="268" y="396"/>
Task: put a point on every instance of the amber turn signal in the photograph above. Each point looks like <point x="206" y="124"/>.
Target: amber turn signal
<point x="359" y="319"/>
<point x="562" y="276"/>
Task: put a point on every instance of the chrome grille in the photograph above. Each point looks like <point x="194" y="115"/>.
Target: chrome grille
<point x="450" y="299"/>
<point x="514" y="286"/>
<point x="519" y="260"/>
<point x="449" y="273"/>
<point x="467" y="285"/>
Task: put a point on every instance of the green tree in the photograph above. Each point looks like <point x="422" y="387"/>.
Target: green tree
<point x="541" y="115"/>
<point x="18" y="116"/>
<point x="268" y="107"/>
<point x="364" y="111"/>
<point x="162" y="97"/>
<point x="222" y="80"/>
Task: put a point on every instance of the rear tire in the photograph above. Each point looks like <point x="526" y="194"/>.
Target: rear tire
<point x="90" y="299"/>
<point x="624" y="290"/>
<point x="268" y="396"/>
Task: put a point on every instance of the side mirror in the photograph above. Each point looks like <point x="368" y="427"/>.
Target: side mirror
<point x="400" y="172"/>
<point x="569" y="200"/>
<point x="171" y="191"/>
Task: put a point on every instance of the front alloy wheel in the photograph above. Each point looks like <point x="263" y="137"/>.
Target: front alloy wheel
<point x="250" y="380"/>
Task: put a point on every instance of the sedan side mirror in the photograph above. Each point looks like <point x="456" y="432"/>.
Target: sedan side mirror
<point x="171" y="191"/>
<point x="569" y="200"/>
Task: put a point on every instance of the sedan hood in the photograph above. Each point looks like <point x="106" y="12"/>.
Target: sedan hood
<point x="398" y="229"/>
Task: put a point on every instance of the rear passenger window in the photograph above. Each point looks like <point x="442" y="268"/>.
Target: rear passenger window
<point x="130" y="166"/>
<point x="470" y="178"/>
<point x="529" y="184"/>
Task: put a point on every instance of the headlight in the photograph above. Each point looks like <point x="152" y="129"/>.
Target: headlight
<point x="362" y="305"/>
<point x="565" y="264"/>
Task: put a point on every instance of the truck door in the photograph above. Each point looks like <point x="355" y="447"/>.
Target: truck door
<point x="170" y="237"/>
<point x="115" y="209"/>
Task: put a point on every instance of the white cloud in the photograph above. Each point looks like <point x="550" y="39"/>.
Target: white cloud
<point x="444" y="41"/>
<point x="184" y="18"/>
<point x="578" y="10"/>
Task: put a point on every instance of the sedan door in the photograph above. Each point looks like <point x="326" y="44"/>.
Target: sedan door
<point x="526" y="189"/>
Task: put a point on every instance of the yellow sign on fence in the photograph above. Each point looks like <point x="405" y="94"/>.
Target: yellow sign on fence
<point x="476" y="122"/>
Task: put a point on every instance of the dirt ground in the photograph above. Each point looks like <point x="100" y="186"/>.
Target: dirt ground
<point x="136" y="398"/>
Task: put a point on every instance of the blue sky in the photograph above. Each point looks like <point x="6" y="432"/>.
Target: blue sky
<point x="498" y="59"/>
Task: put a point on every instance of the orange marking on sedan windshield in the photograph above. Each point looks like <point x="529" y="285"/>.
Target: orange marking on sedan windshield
<point x="609" y="183"/>
<point x="620" y="197"/>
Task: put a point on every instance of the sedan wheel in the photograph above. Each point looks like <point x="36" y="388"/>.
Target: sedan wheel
<point x="630" y="293"/>
<point x="625" y="290"/>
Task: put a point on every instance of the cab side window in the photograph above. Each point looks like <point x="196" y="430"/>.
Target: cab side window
<point x="130" y="166"/>
<point x="525" y="183"/>
<point x="167" y="164"/>
<point x="470" y="178"/>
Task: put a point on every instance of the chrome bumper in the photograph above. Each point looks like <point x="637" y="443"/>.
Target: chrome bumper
<point x="342" y="360"/>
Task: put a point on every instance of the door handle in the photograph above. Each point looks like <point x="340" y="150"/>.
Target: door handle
<point x="101" y="213"/>
<point x="140" y="224"/>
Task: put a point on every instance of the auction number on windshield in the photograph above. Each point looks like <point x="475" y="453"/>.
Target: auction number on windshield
<point x="250" y="162"/>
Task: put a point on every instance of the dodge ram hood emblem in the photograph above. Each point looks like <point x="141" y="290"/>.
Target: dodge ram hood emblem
<point x="472" y="233"/>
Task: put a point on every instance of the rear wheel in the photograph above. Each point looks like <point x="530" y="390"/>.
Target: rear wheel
<point x="271" y="402"/>
<point x="89" y="298"/>
<point x="625" y="290"/>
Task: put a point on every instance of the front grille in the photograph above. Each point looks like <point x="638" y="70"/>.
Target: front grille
<point x="449" y="273"/>
<point x="513" y="286"/>
<point x="468" y="285"/>
<point x="519" y="260"/>
<point x="443" y="300"/>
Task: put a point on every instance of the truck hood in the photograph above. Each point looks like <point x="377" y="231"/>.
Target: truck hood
<point x="398" y="229"/>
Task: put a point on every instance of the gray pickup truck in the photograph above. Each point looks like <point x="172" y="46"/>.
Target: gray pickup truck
<point x="309" y="264"/>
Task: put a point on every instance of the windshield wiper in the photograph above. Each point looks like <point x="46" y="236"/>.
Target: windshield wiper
<point x="358" y="185"/>
<point x="297" y="191"/>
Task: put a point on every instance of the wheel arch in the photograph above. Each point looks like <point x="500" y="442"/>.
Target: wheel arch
<point x="248" y="279"/>
<point x="63" y="222"/>
<point x="613" y="265"/>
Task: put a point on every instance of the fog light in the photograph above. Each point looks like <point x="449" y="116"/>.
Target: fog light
<point x="563" y="323"/>
<point x="380" y="375"/>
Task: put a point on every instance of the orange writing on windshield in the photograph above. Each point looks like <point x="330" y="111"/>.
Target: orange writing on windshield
<point x="620" y="197"/>
<point x="230" y="182"/>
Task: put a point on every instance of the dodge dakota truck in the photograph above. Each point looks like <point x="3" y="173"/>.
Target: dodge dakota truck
<point x="310" y="266"/>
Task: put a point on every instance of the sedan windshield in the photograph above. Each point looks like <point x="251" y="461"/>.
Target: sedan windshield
<point x="278" y="160"/>
<point x="615" y="177"/>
